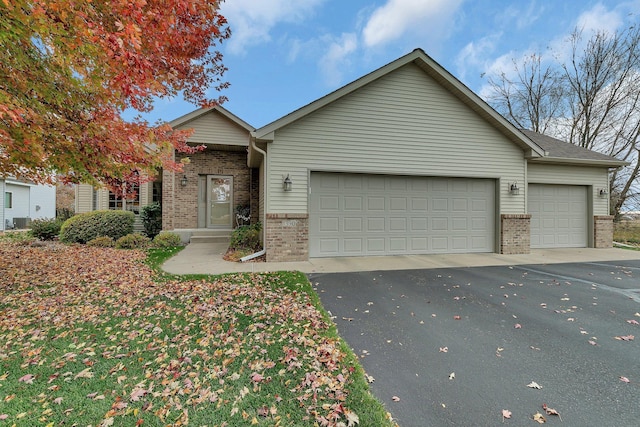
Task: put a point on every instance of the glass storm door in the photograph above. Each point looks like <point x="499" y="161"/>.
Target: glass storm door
<point x="219" y="201"/>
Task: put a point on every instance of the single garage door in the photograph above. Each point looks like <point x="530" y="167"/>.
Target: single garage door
<point x="357" y="215"/>
<point x="558" y="216"/>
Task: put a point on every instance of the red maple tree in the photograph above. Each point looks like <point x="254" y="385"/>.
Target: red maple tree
<point x="69" y="69"/>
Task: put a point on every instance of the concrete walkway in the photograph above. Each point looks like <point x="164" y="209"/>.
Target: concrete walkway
<point x="206" y="258"/>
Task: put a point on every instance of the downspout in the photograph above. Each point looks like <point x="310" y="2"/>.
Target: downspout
<point x="263" y="181"/>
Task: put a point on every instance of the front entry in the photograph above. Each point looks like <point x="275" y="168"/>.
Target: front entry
<point x="219" y="201"/>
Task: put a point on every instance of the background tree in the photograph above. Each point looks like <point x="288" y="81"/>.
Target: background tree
<point x="589" y="96"/>
<point x="68" y="69"/>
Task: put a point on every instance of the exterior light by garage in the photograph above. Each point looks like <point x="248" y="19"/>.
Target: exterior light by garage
<point x="603" y="192"/>
<point x="514" y="189"/>
<point x="287" y="184"/>
<point x="183" y="181"/>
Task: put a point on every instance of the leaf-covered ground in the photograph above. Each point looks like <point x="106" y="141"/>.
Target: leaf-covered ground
<point x="90" y="337"/>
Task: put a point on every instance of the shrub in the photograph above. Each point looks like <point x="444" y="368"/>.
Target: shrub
<point x="87" y="226"/>
<point x="133" y="241"/>
<point x="246" y="237"/>
<point x="102" y="242"/>
<point x="151" y="217"/>
<point x="45" y="229"/>
<point x="166" y="239"/>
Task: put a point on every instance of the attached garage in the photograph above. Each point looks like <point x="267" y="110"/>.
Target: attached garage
<point x="408" y="160"/>
<point x="558" y="216"/>
<point x="360" y="214"/>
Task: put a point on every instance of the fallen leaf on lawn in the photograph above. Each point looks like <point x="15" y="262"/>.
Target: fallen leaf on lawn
<point x="625" y="338"/>
<point x="624" y="379"/>
<point x="256" y="377"/>
<point x="352" y="418"/>
<point x="4" y="416"/>
<point x="506" y="414"/>
<point x="517" y="326"/>
<point x="107" y="422"/>
<point x="137" y="394"/>
<point x="369" y="378"/>
<point x="444" y="349"/>
<point x="452" y="375"/>
<point x="539" y="418"/>
<point x="395" y="399"/>
<point x="28" y="379"/>
<point x="85" y="373"/>
<point x="535" y="385"/>
<point x="57" y="400"/>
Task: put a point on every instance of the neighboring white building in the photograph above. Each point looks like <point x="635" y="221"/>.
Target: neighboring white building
<point x="23" y="201"/>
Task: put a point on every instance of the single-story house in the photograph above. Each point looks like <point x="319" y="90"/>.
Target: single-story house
<point x="405" y="160"/>
<point x="23" y="201"/>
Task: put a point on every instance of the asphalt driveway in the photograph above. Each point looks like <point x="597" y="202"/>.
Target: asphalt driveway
<point x="458" y="346"/>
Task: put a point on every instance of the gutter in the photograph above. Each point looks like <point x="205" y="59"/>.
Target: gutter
<point x="263" y="181"/>
<point x="254" y="255"/>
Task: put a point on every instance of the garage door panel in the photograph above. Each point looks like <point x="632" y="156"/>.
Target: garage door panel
<point x="400" y="215"/>
<point x="558" y="215"/>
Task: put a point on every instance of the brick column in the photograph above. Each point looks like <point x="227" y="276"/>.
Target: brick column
<point x="515" y="234"/>
<point x="287" y="237"/>
<point x="603" y="231"/>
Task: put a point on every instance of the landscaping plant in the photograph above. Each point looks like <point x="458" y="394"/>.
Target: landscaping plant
<point x="45" y="229"/>
<point x="87" y="226"/>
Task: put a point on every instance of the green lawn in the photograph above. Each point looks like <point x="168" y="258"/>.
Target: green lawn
<point x="627" y="232"/>
<point x="96" y="337"/>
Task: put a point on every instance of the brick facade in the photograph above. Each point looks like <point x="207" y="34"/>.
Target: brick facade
<point x="603" y="231"/>
<point x="515" y="234"/>
<point x="180" y="204"/>
<point x="287" y="237"/>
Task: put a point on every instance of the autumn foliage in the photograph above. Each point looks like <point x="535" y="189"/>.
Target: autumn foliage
<point x="68" y="70"/>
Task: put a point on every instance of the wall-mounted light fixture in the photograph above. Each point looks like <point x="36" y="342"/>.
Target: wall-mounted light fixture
<point x="603" y="192"/>
<point x="514" y="189"/>
<point x="183" y="181"/>
<point x="287" y="184"/>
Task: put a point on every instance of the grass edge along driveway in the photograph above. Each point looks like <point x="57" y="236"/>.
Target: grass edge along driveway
<point x="98" y="337"/>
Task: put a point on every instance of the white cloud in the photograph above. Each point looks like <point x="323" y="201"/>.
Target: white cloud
<point x="475" y="54"/>
<point x="335" y="62"/>
<point x="600" y="19"/>
<point x="251" y="21"/>
<point x="398" y="17"/>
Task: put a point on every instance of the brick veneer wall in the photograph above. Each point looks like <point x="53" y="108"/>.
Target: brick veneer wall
<point x="603" y="231"/>
<point x="515" y="234"/>
<point x="287" y="237"/>
<point x="180" y="207"/>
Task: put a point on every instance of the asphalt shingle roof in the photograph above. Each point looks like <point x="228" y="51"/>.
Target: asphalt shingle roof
<point x="559" y="149"/>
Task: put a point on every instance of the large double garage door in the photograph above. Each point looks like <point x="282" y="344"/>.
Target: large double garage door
<point x="558" y="216"/>
<point x="357" y="215"/>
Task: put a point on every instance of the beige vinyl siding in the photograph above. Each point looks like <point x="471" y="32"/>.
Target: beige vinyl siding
<point x="214" y="128"/>
<point x="597" y="178"/>
<point x="402" y="124"/>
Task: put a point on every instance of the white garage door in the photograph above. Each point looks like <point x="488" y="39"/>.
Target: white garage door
<point x="558" y="216"/>
<point x="355" y="215"/>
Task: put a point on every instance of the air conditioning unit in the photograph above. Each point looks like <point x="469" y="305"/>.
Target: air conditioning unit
<point x="20" y="223"/>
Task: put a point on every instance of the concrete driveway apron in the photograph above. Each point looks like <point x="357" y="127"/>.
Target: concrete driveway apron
<point x="456" y="346"/>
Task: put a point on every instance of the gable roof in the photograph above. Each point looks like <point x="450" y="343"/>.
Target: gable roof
<point x="434" y="70"/>
<point x="202" y="111"/>
<point x="558" y="151"/>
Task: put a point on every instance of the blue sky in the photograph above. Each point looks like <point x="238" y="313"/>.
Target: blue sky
<point x="284" y="54"/>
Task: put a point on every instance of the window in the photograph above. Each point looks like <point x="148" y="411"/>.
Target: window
<point x="124" y="203"/>
<point x="8" y="200"/>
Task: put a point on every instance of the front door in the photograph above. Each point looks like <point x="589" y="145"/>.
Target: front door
<point x="219" y="201"/>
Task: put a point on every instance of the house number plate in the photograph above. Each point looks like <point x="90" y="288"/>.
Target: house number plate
<point x="290" y="223"/>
